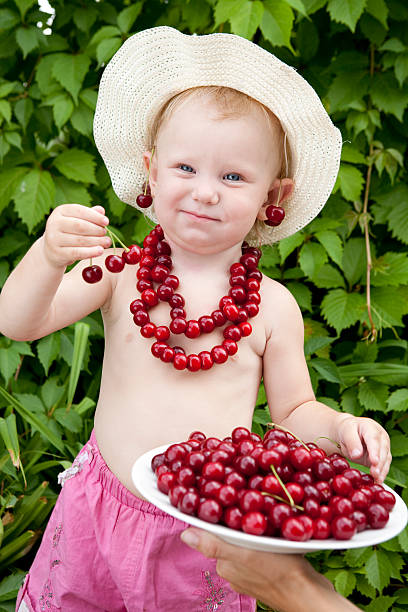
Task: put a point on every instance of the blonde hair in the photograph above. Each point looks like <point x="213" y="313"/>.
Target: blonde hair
<point x="230" y="103"/>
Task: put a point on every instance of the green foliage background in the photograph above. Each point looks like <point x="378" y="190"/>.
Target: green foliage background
<point x="355" y="54"/>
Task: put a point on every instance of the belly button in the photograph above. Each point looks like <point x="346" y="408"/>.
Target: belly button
<point x="129" y="337"/>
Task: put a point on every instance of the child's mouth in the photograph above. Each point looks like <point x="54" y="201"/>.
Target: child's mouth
<point x="197" y="216"/>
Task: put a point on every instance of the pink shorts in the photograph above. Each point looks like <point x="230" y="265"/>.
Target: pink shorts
<point x="106" y="549"/>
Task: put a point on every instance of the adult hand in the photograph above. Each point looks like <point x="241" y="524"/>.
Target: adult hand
<point x="285" y="582"/>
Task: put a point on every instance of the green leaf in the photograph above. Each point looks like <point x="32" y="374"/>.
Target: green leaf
<point x="391" y="208"/>
<point x="69" y="70"/>
<point x="298" y="5"/>
<point x="364" y="587"/>
<point x="84" y="17"/>
<point x="128" y="16"/>
<point x="31" y="402"/>
<point x="390" y="269"/>
<point x="379" y="10"/>
<point x="328" y="277"/>
<point x="346" y="11"/>
<point x="106" y="49"/>
<point x="356" y="557"/>
<point x="62" y="109"/>
<point x="399" y="445"/>
<point x="34" y="197"/>
<point x="347" y="88"/>
<point x="11" y="242"/>
<point x="35" y="421"/>
<point x="89" y="97"/>
<point x="246" y="22"/>
<point x="10" y="585"/>
<point x="69" y="420"/>
<point x="316" y="343"/>
<point x="326" y="369"/>
<point x="333" y="245"/>
<point x="48" y="350"/>
<point x="388" y="96"/>
<point x="378" y="569"/>
<point x="354" y="260"/>
<point x="342" y="309"/>
<point x="401" y="68"/>
<point x="76" y="165"/>
<point x="388" y="305"/>
<point x="8" y="19"/>
<point x="5" y="110"/>
<point x="116" y="206"/>
<point x="224" y="9"/>
<point x="352" y="155"/>
<point x="82" y="119"/>
<point x="104" y="33"/>
<point x="313" y="5"/>
<point x="24" y="6"/>
<point x="312" y="257"/>
<point x="14" y="139"/>
<point x="394" y="45"/>
<point x="6" y="87"/>
<point x="403" y="542"/>
<point x="23" y="110"/>
<point x="398" y="401"/>
<point x="302" y="295"/>
<point x="276" y="24"/>
<point x="373" y="395"/>
<point x="345" y="582"/>
<point x="288" y="245"/>
<point x="8" y="183"/>
<point x="9" y="362"/>
<point x="27" y="39"/>
<point x="381" y="604"/>
<point x="351" y="181"/>
<point x="52" y="392"/>
<point x="80" y="340"/>
<point x="69" y="192"/>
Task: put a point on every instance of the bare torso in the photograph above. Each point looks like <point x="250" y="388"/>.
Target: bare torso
<point x="144" y="403"/>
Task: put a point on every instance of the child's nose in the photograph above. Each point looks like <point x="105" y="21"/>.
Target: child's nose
<point x="205" y="193"/>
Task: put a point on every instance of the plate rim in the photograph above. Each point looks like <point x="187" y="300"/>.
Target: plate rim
<point x="247" y="540"/>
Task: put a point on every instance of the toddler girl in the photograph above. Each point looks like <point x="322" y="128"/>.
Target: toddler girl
<point x="240" y="141"/>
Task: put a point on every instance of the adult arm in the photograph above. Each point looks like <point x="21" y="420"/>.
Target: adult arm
<point x="285" y="582"/>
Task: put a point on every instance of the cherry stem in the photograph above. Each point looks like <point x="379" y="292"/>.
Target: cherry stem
<point x="276" y="426"/>
<point x="330" y="440"/>
<point x="281" y="499"/>
<point x="112" y="235"/>
<point x="148" y="172"/>
<point x="278" y="478"/>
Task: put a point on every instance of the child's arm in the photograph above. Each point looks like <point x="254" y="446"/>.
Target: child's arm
<point x="292" y="401"/>
<point x="38" y="298"/>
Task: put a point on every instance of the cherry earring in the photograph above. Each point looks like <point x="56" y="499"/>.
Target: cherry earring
<point x="275" y="214"/>
<point x="144" y="200"/>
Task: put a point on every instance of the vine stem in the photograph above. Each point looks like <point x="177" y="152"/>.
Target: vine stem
<point x="373" y="331"/>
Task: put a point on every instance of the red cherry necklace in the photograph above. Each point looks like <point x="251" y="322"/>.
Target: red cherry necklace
<point x="155" y="264"/>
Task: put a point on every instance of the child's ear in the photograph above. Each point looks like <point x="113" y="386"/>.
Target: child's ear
<point x="280" y="191"/>
<point x="149" y="161"/>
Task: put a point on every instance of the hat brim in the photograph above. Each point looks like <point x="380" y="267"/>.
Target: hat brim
<point x="154" y="65"/>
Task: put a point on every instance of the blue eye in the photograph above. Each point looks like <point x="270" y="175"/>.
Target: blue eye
<point x="186" y="168"/>
<point x="232" y="176"/>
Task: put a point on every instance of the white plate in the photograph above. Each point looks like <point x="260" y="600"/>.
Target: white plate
<point x="145" y="482"/>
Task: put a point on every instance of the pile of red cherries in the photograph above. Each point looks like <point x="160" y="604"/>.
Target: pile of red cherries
<point x="275" y="486"/>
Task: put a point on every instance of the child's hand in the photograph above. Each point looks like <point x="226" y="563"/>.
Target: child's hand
<point x="75" y="232"/>
<point x="364" y="441"/>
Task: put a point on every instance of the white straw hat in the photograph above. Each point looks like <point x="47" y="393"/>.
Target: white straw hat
<point x="154" y="65"/>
